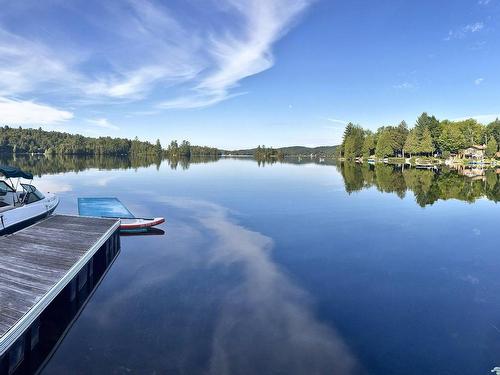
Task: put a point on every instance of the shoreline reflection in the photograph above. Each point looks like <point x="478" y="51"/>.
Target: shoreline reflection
<point x="427" y="185"/>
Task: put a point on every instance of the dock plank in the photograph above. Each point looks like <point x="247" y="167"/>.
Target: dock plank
<point x="34" y="260"/>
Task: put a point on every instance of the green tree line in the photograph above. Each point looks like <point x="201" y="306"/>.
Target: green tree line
<point x="266" y="153"/>
<point x="38" y="141"/>
<point x="429" y="136"/>
<point x="186" y="150"/>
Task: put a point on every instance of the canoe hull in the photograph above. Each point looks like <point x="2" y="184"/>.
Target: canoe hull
<point x="138" y="224"/>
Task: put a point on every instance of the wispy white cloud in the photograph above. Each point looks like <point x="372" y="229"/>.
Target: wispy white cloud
<point x="338" y="122"/>
<point x="147" y="52"/>
<point x="462" y="32"/>
<point x="474" y="27"/>
<point x="53" y="185"/>
<point x="18" y="112"/>
<point x="198" y="99"/>
<point x="103" y="123"/>
<point x="132" y="85"/>
<point x="158" y="51"/>
<point x="478" y="81"/>
<point x="238" y="56"/>
<point x="484" y="2"/>
<point x="26" y="65"/>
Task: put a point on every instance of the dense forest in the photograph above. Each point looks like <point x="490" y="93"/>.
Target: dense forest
<point x="38" y="141"/>
<point x="428" y="137"/>
<point x="186" y="150"/>
<point x="263" y="153"/>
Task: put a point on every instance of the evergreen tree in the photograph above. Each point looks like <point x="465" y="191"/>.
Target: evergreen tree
<point x="426" y="121"/>
<point x="348" y="131"/>
<point x="353" y="141"/>
<point x="158" y="148"/>
<point x="359" y="140"/>
<point x="369" y="145"/>
<point x="263" y="153"/>
<point x="185" y="149"/>
<point x="349" y="148"/>
<point x="400" y="133"/>
<point x="173" y="149"/>
<point x="494" y="130"/>
<point x="451" y="138"/>
<point x="472" y="131"/>
<point x="411" y="145"/>
<point x="426" y="145"/>
<point x="385" y="144"/>
<point x="491" y="147"/>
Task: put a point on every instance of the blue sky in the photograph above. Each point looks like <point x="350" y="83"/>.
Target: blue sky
<point x="237" y="73"/>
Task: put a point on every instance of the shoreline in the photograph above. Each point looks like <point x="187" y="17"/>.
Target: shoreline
<point x="420" y="161"/>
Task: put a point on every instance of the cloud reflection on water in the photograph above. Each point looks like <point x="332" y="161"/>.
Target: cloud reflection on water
<point x="52" y="185"/>
<point x="265" y="323"/>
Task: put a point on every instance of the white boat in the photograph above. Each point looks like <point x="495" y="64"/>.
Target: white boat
<point x="21" y="204"/>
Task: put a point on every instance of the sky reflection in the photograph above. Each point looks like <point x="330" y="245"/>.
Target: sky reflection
<point x="265" y="323"/>
<point x="277" y="270"/>
<point x="206" y="298"/>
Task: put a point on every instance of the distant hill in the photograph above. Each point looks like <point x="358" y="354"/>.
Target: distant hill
<point x="323" y="151"/>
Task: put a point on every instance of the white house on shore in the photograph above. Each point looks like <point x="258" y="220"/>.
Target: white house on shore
<point x="474" y="152"/>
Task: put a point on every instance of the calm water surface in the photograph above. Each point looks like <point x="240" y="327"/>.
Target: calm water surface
<point x="291" y="269"/>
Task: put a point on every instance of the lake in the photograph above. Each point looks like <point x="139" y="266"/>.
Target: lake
<point x="288" y="268"/>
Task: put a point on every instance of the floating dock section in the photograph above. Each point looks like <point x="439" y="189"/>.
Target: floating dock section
<point x="47" y="272"/>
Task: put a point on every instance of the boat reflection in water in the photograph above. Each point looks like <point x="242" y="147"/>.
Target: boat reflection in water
<point x="145" y="232"/>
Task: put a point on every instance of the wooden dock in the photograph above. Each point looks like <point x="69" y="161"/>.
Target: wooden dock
<point x="37" y="264"/>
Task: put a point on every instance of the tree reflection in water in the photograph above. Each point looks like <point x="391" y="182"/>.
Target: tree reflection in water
<point x="41" y="164"/>
<point x="427" y="185"/>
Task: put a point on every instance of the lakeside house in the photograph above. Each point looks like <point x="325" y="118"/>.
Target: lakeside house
<point x="473" y="173"/>
<point x="474" y="152"/>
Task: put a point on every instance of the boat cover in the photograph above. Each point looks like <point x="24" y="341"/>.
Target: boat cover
<point x="13" y="172"/>
<point x="103" y="207"/>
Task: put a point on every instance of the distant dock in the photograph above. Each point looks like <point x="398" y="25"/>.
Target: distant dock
<point x="47" y="272"/>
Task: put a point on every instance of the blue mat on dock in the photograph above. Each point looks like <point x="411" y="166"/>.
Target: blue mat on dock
<point x="103" y="207"/>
